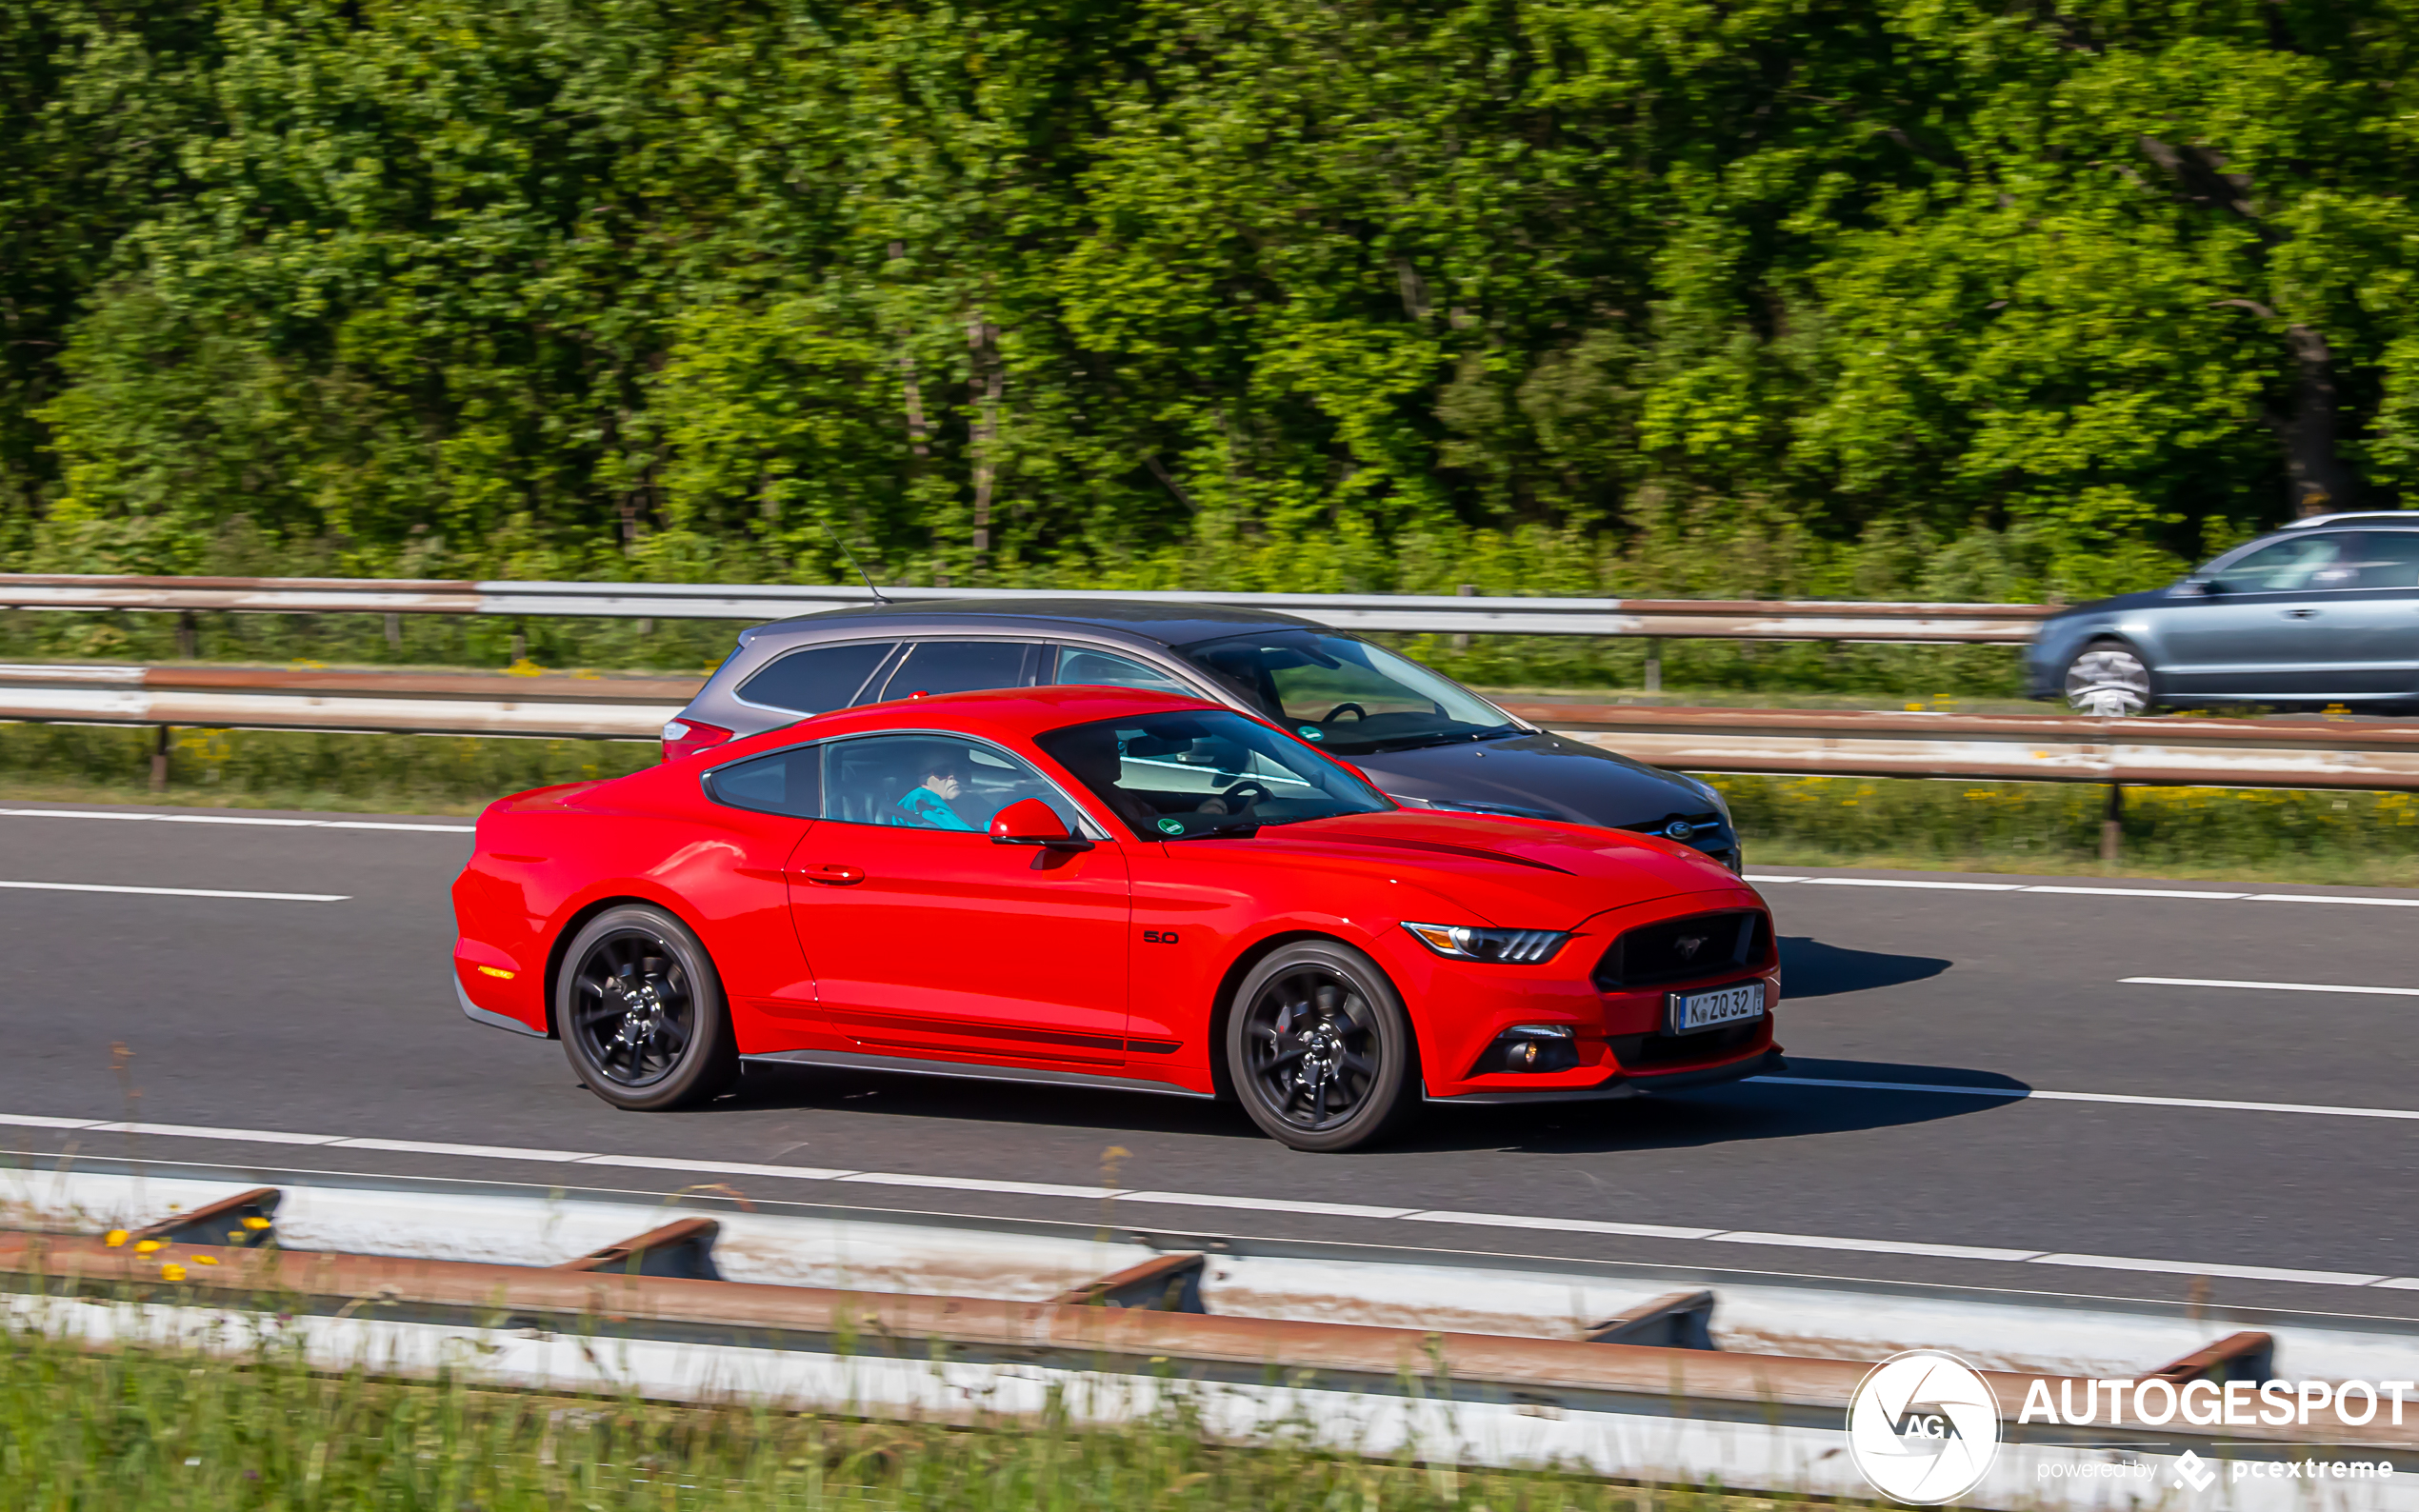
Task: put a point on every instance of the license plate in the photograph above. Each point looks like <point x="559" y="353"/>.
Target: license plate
<point x="1691" y="1011"/>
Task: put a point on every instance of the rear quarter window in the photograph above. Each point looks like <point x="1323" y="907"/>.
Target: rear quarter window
<point x="816" y="680"/>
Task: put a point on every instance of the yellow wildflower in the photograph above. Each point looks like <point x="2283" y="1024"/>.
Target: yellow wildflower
<point x="115" y="1238"/>
<point x="171" y="1271"/>
<point x="147" y="1245"/>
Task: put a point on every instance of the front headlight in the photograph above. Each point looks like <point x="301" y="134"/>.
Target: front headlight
<point x="1463" y="941"/>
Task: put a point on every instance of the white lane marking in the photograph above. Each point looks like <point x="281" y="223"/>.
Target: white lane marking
<point x="179" y="892"/>
<point x="498" y="1152"/>
<point x="2174" y="1268"/>
<point x="2033" y="1094"/>
<point x="239" y="818"/>
<point x="1906" y="882"/>
<point x="2135" y="892"/>
<point x="2266" y="986"/>
<point x="1761" y="879"/>
<point x="1266" y="1204"/>
<point x="1874" y="1246"/>
<point x="665" y="1162"/>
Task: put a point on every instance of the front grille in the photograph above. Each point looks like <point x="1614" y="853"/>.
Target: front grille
<point x="1685" y="949"/>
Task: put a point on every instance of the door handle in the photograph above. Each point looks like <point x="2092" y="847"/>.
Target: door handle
<point x="2301" y="614"/>
<point x="831" y="874"/>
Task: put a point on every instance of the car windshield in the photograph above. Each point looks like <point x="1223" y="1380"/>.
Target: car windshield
<point x="1186" y="775"/>
<point x="1347" y="695"/>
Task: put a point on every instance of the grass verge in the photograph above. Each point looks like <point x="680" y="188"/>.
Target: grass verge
<point x="148" y="1427"/>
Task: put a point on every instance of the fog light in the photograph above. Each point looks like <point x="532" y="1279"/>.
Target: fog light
<point x="1532" y="1047"/>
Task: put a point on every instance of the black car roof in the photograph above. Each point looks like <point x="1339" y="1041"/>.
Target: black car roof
<point x="1142" y="619"/>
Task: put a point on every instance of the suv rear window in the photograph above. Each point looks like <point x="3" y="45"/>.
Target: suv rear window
<point x="816" y="680"/>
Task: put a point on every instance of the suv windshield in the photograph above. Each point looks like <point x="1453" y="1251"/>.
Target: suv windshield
<point x="1347" y="695"/>
<point x="1179" y="776"/>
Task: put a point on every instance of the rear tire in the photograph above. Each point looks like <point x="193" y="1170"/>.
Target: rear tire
<point x="1319" y="1051"/>
<point x="642" y="1013"/>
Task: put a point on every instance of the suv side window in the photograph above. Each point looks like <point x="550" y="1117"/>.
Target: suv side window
<point x="2390" y="559"/>
<point x="783" y="781"/>
<point x="2302" y="563"/>
<point x="816" y="680"/>
<point x="958" y="667"/>
<point x="1080" y="664"/>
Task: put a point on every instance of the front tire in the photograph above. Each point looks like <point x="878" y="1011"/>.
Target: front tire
<point x="2109" y="678"/>
<point x="1319" y="1049"/>
<point x="642" y="1013"/>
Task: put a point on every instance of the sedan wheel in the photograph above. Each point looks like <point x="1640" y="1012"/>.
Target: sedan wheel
<point x="1320" y="1049"/>
<point x="641" y="1012"/>
<point x="2108" y="679"/>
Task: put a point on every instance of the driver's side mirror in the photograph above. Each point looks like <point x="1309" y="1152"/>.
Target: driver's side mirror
<point x="1030" y="822"/>
<point x="2197" y="588"/>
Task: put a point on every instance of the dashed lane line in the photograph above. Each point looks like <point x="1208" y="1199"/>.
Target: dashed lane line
<point x="2269" y="986"/>
<point x="2013" y="1094"/>
<point x="1260" y="1205"/>
<point x="261" y="822"/>
<point x="1925" y="885"/>
<point x="179" y="892"/>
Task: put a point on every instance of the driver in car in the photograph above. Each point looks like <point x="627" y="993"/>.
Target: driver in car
<point x="926" y="804"/>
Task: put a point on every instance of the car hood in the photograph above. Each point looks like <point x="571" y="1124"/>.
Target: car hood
<point x="2145" y="599"/>
<point x="1569" y="779"/>
<point x="1522" y="873"/>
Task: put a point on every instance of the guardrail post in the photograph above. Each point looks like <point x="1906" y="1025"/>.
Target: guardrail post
<point x="1682" y="1319"/>
<point x="159" y="759"/>
<point x="188" y="636"/>
<point x="2112" y="823"/>
<point x="394" y="631"/>
<point x="1653" y="680"/>
<point x="1464" y="590"/>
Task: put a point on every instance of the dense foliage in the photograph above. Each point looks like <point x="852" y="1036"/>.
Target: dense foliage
<point x="1843" y="296"/>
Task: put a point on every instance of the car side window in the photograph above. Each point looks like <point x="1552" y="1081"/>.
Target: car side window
<point x="817" y="679"/>
<point x="783" y="782"/>
<point x="1078" y="664"/>
<point x="930" y="782"/>
<point x="959" y="667"/>
<point x="2390" y="559"/>
<point x="2290" y="566"/>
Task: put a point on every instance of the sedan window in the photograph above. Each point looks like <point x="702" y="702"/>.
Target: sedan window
<point x="817" y="679"/>
<point x="1179" y="776"/>
<point x="930" y="782"/>
<point x="1349" y="695"/>
<point x="2289" y="566"/>
<point x="958" y="667"/>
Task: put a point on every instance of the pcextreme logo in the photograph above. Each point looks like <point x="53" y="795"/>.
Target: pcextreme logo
<point x="1923" y="1428"/>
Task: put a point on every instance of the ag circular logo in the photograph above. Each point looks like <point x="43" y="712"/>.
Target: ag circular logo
<point x="1171" y="826"/>
<point x="1923" y="1428"/>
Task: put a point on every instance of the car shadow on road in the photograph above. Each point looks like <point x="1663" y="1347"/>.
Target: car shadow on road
<point x="1809" y="968"/>
<point x="1793" y="1104"/>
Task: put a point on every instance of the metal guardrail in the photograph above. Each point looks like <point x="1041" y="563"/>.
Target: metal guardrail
<point x="1639" y="1411"/>
<point x="2169" y="751"/>
<point x="1718" y="618"/>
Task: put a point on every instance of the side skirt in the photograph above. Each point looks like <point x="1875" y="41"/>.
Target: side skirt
<point x="855" y="1061"/>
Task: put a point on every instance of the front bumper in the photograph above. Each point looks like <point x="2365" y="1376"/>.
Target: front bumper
<point x="1622" y="1085"/>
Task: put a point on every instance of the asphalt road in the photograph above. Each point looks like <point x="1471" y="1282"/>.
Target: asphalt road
<point x="336" y="1019"/>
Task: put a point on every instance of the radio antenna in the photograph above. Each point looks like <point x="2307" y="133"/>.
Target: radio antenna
<point x="852" y="560"/>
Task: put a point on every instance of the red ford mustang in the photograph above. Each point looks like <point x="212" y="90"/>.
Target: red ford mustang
<point x="1103" y="887"/>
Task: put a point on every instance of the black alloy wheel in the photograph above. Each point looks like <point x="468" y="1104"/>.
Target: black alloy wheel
<point x="641" y="1011"/>
<point x="1320" y="1049"/>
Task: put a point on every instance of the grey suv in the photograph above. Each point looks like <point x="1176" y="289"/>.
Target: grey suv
<point x="1428" y="741"/>
<point x="2323" y="611"/>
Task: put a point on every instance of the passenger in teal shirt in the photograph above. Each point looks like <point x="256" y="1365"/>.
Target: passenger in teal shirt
<point x="927" y="807"/>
